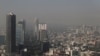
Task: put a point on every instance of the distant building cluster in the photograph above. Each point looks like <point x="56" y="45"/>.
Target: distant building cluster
<point x="76" y="41"/>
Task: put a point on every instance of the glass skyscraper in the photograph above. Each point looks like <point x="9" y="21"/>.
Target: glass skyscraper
<point x="11" y="33"/>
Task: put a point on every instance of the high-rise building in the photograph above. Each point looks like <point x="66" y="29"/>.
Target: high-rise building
<point x="23" y="26"/>
<point x="11" y="34"/>
<point x="36" y="30"/>
<point x="43" y="36"/>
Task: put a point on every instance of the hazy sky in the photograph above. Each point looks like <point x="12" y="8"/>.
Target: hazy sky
<point x="53" y="12"/>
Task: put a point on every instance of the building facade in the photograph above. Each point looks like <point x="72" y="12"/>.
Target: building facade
<point x="11" y="34"/>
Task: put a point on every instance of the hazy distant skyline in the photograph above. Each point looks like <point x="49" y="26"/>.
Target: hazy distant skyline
<point x="52" y="12"/>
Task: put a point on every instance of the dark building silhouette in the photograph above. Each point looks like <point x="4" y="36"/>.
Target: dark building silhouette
<point x="11" y="34"/>
<point x="46" y="46"/>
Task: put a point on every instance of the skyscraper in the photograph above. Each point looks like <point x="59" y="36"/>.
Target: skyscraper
<point x="11" y="34"/>
<point x="36" y="30"/>
<point x="43" y="37"/>
<point x="43" y="32"/>
<point x="23" y="26"/>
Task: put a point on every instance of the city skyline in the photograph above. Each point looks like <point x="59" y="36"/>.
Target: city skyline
<point x="50" y="28"/>
<point x="77" y="40"/>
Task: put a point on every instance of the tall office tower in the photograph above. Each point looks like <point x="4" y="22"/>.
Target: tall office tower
<point x="23" y="26"/>
<point x="43" y="36"/>
<point x="36" y="30"/>
<point x="11" y="34"/>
